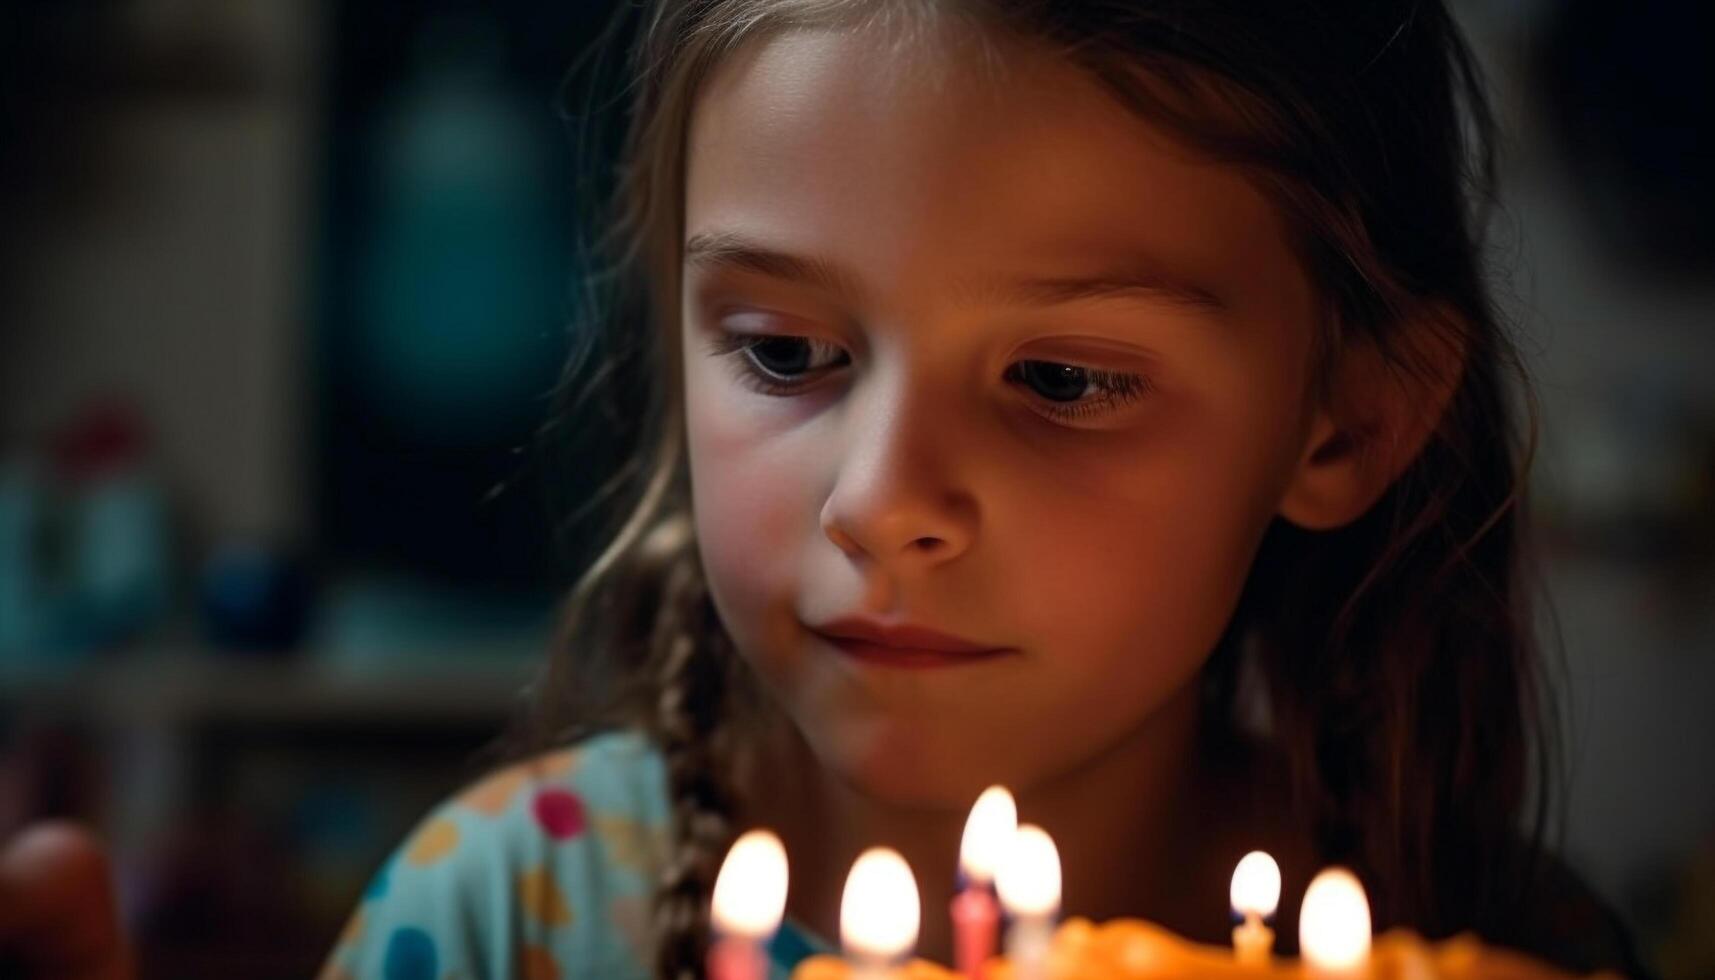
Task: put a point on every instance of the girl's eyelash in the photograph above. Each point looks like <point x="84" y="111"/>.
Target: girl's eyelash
<point x="1119" y="388"/>
<point x="736" y="348"/>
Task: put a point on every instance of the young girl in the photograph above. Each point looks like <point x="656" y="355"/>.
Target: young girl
<point x="1098" y="398"/>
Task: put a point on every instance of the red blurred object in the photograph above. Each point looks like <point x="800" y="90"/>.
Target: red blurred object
<point x="108" y="436"/>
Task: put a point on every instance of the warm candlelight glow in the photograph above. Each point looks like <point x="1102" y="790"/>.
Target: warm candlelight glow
<point x="1028" y="879"/>
<point x="1334" y="923"/>
<point x="750" y="891"/>
<point x="1256" y="885"/>
<point x="988" y="831"/>
<point x="880" y="910"/>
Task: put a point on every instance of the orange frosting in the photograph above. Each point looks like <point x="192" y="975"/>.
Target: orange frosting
<point x="1131" y="949"/>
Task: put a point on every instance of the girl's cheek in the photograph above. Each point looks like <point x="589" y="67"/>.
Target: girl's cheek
<point x="749" y="505"/>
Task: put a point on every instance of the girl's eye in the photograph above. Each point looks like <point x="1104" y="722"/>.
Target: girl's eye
<point x="780" y="364"/>
<point x="777" y="363"/>
<point x="1068" y="392"/>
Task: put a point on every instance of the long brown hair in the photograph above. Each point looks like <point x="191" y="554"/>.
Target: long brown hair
<point x="1396" y="653"/>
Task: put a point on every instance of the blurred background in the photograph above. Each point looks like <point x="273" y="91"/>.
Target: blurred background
<point x="286" y="286"/>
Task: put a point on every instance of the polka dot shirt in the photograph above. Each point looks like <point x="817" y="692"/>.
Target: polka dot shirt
<point x="541" y="870"/>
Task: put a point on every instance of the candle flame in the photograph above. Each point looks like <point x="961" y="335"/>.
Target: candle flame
<point x="993" y="821"/>
<point x="750" y="891"/>
<point x="1256" y="885"/>
<point x="880" y="911"/>
<point x="1028" y="879"/>
<point x="1334" y="922"/>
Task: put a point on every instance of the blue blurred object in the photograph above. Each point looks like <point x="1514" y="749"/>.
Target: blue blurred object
<point x="446" y="277"/>
<point x="116" y="567"/>
<point x="119" y="563"/>
<point x="463" y="275"/>
<point x="21" y="528"/>
<point x="379" y="621"/>
<point x="255" y="599"/>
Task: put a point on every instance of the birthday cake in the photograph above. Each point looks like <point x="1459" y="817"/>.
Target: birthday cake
<point x="1132" y="949"/>
<point x="1015" y="869"/>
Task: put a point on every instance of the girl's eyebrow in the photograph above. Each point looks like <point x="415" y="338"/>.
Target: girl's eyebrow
<point x="1135" y="280"/>
<point x="714" y="250"/>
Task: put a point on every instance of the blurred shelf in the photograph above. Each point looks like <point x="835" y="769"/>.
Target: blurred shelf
<point x="191" y="688"/>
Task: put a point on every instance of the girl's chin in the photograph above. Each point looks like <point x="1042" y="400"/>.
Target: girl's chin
<point x="908" y="768"/>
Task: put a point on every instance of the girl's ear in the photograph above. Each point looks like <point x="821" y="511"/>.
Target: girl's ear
<point x="1379" y="413"/>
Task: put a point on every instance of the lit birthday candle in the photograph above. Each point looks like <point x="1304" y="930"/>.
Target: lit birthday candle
<point x="880" y="913"/>
<point x="1028" y="880"/>
<point x="749" y="902"/>
<point x="1334" y="927"/>
<point x="1255" y="894"/>
<point x="976" y="914"/>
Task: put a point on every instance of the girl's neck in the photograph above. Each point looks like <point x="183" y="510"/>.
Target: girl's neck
<point x="1143" y="829"/>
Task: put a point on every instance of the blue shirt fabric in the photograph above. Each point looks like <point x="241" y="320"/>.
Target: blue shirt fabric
<point x="540" y="870"/>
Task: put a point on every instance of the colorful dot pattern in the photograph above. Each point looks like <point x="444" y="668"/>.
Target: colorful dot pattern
<point x="541" y="870"/>
<point x="504" y="879"/>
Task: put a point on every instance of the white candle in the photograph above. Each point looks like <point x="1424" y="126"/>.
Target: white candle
<point x="749" y="902"/>
<point x="975" y="914"/>
<point x="1255" y="894"/>
<point x="1334" y="927"/>
<point x="880" y="913"/>
<point x="1029" y="884"/>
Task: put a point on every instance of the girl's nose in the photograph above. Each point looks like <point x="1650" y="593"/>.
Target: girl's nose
<point x="894" y="500"/>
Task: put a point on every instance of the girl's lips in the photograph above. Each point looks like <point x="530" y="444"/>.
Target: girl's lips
<point x="891" y="656"/>
<point x="907" y="635"/>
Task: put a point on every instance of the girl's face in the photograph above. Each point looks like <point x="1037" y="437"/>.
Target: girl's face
<point x="971" y="348"/>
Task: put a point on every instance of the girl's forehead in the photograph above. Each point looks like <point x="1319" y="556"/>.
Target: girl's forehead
<point x="957" y="162"/>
